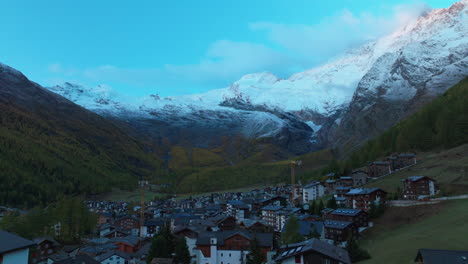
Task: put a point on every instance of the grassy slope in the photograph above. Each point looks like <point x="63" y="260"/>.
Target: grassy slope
<point x="449" y="168"/>
<point x="444" y="229"/>
<point x="441" y="124"/>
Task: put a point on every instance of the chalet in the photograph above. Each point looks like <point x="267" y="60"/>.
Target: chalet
<point x="406" y="159"/>
<point x="152" y="226"/>
<point x="78" y="259"/>
<point x="379" y="168"/>
<point x="310" y="229"/>
<point x="312" y="191"/>
<point x="114" y="257"/>
<point x="238" y="209"/>
<point x="275" y="200"/>
<point x="128" y="244"/>
<point x="309" y="217"/>
<point x="437" y="256"/>
<point x="418" y="187"/>
<point x="182" y="219"/>
<point x="340" y="231"/>
<point x="331" y="185"/>
<point x="254" y="225"/>
<point x="356" y="216"/>
<point x="359" y="178"/>
<point x="128" y="223"/>
<point x="103" y="218"/>
<point x="325" y="212"/>
<point x="230" y="246"/>
<point x="110" y="231"/>
<point x="282" y="217"/>
<point x="298" y="190"/>
<point x="14" y="249"/>
<point x="346" y="181"/>
<point x="224" y="222"/>
<point x="340" y="195"/>
<point x="312" y="251"/>
<point x="45" y="246"/>
<point x="269" y="214"/>
<point x="185" y="231"/>
<point x="364" y="197"/>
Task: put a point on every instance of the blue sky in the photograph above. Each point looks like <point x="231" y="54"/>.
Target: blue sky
<point x="186" y="46"/>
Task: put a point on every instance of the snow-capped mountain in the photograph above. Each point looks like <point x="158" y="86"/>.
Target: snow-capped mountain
<point x="343" y="102"/>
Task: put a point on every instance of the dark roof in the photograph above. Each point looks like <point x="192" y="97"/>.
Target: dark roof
<point x="250" y="222"/>
<point x="343" y="188"/>
<point x="111" y="253"/>
<point x="407" y="155"/>
<point x="312" y="184"/>
<point x="154" y="222"/>
<point x="39" y="240"/>
<point x="264" y="239"/>
<point x="384" y="163"/>
<point x="79" y="259"/>
<point x="58" y="256"/>
<point x="306" y="227"/>
<point x="345" y="211"/>
<point x="336" y="224"/>
<point x="363" y="191"/>
<point x="272" y="208"/>
<point x="438" y="256"/>
<point x="131" y="240"/>
<point x="417" y="178"/>
<point x="127" y="217"/>
<point x="11" y="242"/>
<point x="316" y="245"/>
<point x="143" y="251"/>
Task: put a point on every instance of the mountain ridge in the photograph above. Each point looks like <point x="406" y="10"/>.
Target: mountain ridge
<point x="319" y="106"/>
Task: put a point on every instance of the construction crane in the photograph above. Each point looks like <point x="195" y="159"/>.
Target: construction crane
<point x="293" y="165"/>
<point x="142" y="183"/>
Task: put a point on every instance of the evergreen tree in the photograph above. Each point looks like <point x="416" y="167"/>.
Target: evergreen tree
<point x="332" y="203"/>
<point x="160" y="248"/>
<point x="255" y="254"/>
<point x="312" y="207"/>
<point x="182" y="254"/>
<point x="356" y="253"/>
<point x="320" y="207"/>
<point x="290" y="233"/>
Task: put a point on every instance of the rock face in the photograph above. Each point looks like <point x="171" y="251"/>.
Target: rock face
<point x="337" y="105"/>
<point x="402" y="81"/>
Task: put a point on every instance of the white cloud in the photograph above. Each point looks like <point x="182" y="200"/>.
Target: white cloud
<point x="337" y="33"/>
<point x="295" y="47"/>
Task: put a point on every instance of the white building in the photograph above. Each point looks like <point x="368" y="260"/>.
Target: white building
<point x="14" y="249"/>
<point x="312" y="191"/>
<point x="228" y="247"/>
<point x="113" y="257"/>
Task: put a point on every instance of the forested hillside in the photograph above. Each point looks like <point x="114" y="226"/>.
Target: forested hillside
<point x="50" y="147"/>
<point x="441" y="124"/>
